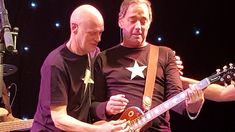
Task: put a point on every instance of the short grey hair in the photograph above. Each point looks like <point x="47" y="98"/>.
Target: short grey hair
<point x="126" y="3"/>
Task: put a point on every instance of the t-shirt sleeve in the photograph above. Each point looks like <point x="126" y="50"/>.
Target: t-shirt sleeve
<point x="99" y="100"/>
<point x="173" y="82"/>
<point x="57" y="86"/>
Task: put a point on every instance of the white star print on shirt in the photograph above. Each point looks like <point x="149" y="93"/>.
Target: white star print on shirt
<point x="136" y="70"/>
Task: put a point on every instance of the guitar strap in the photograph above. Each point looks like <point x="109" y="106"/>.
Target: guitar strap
<point x="150" y="77"/>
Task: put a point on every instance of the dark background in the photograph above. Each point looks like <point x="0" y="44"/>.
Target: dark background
<point x="174" y="20"/>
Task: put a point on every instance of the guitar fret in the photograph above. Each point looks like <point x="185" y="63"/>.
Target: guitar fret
<point x="175" y="100"/>
<point x="143" y="119"/>
<point x="148" y="116"/>
<point x="166" y="105"/>
<point x="182" y="95"/>
<point x="156" y="111"/>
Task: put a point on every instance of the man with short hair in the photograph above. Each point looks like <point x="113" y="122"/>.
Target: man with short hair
<point x="121" y="70"/>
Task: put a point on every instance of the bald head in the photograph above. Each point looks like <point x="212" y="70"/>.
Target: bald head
<point x="86" y="13"/>
<point x="87" y="25"/>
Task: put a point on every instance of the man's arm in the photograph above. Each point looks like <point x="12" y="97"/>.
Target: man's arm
<point x="214" y="92"/>
<point x="67" y="123"/>
<point x="195" y="98"/>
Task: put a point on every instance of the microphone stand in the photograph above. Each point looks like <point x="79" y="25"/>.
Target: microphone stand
<point x="7" y="41"/>
<point x="2" y="51"/>
<point x="3" y="89"/>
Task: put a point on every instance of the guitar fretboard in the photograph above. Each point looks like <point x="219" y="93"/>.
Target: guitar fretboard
<point x="160" y="109"/>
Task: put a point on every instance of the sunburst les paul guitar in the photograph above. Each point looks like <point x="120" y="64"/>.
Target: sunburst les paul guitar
<point x="137" y="119"/>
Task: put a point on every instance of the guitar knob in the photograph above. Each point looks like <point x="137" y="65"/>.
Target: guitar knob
<point x="228" y="77"/>
<point x="221" y="79"/>
<point x="231" y="65"/>
<point x="217" y="71"/>
<point x="225" y="68"/>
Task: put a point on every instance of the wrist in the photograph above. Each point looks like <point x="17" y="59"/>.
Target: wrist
<point x="193" y="113"/>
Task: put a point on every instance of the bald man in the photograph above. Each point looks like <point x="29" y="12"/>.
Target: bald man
<point x="65" y="90"/>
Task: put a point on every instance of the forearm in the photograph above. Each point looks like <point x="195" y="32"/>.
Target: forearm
<point x="68" y="123"/>
<point x="215" y="92"/>
<point x="188" y="80"/>
<point x="220" y="93"/>
<point x="98" y="111"/>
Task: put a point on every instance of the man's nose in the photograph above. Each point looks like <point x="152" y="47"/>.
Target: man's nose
<point x="138" y="25"/>
<point x="98" y="38"/>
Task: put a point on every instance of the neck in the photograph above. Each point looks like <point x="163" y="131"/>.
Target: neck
<point x="126" y="44"/>
<point x="74" y="48"/>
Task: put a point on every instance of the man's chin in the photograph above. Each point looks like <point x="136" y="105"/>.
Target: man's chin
<point x="138" y="41"/>
<point x="92" y="49"/>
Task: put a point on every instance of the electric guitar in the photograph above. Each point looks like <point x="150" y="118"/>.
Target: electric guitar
<point x="15" y="125"/>
<point x="137" y="119"/>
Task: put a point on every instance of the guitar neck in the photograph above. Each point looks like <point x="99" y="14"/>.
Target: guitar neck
<point x="160" y="109"/>
<point x="15" y="125"/>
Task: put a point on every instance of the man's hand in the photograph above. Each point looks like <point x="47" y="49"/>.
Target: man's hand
<point x="195" y="99"/>
<point x="116" y="104"/>
<point x="179" y="64"/>
<point x="114" y="126"/>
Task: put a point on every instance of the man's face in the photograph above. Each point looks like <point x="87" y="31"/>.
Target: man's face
<point x="135" y="25"/>
<point x="89" y="35"/>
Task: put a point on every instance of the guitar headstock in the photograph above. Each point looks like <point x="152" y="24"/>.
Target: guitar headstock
<point x="230" y="74"/>
<point x="225" y="75"/>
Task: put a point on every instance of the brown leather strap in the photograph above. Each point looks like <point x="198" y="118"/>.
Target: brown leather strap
<point x="150" y="77"/>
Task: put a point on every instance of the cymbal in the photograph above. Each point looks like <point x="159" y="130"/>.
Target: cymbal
<point x="9" y="69"/>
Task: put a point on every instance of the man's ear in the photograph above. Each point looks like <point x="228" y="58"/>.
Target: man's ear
<point x="120" y="23"/>
<point x="74" y="27"/>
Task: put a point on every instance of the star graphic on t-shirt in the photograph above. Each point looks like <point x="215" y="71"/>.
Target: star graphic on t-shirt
<point x="87" y="79"/>
<point x="136" y="70"/>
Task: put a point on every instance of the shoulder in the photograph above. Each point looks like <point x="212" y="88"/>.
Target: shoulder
<point x="164" y="49"/>
<point x="54" y="57"/>
<point x="166" y="54"/>
<point x="111" y="51"/>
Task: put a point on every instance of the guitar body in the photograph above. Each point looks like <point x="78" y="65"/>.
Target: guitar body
<point x="132" y="114"/>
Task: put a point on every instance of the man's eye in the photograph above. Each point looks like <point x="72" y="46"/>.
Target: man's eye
<point x="132" y="21"/>
<point x="91" y="33"/>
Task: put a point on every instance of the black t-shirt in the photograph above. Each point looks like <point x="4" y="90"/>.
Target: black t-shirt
<point x="62" y="83"/>
<point x="122" y="70"/>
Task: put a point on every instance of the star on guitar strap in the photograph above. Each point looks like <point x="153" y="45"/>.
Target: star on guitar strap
<point x="150" y="77"/>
